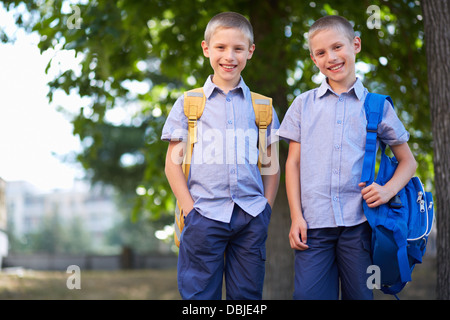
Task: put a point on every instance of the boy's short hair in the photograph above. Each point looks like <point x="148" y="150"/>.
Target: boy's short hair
<point x="229" y="20"/>
<point x="331" y="22"/>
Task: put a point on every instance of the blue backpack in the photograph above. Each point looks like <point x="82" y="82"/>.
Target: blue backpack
<point x="400" y="228"/>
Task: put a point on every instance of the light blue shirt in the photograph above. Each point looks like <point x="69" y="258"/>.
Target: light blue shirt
<point x="224" y="168"/>
<point x="331" y="129"/>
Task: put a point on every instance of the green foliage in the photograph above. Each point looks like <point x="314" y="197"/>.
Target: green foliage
<point x="137" y="236"/>
<point x="54" y="236"/>
<point x="157" y="43"/>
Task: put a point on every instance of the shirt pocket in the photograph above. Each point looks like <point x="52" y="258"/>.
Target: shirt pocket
<point x="355" y="130"/>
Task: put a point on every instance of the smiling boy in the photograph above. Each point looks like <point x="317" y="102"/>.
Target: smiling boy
<point x="228" y="50"/>
<point x="334" y="52"/>
<point x="226" y="201"/>
<point x="326" y="128"/>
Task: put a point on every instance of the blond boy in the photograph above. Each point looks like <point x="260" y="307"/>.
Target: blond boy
<point x="326" y="128"/>
<point x="226" y="200"/>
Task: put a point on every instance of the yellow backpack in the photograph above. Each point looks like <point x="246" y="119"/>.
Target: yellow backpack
<point x="194" y="104"/>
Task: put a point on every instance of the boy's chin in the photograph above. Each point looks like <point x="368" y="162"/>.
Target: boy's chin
<point x="341" y="78"/>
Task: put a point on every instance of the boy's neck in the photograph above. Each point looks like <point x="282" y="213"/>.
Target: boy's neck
<point x="225" y="86"/>
<point x="341" y="87"/>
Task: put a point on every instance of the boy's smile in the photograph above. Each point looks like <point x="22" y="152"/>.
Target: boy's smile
<point x="228" y="67"/>
<point x="334" y="54"/>
<point x="336" y="68"/>
<point x="228" y="51"/>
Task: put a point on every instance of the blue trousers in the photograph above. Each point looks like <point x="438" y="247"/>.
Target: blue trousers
<point x="334" y="254"/>
<point x="209" y="249"/>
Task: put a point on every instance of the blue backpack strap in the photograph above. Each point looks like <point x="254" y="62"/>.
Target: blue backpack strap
<point x="373" y="105"/>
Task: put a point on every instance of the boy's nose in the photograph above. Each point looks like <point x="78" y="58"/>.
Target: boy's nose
<point x="332" y="56"/>
<point x="229" y="55"/>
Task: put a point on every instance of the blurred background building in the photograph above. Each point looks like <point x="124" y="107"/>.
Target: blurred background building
<point x="86" y="225"/>
<point x="3" y="223"/>
<point x="92" y="208"/>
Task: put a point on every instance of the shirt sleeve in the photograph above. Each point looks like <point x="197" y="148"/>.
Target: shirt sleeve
<point x="176" y="125"/>
<point x="391" y="130"/>
<point x="291" y="124"/>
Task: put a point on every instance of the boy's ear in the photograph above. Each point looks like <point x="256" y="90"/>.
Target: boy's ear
<point x="313" y="59"/>
<point x="205" y="49"/>
<point x="250" y="51"/>
<point x="357" y="44"/>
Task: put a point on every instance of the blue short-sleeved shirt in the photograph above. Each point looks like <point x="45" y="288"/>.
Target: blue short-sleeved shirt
<point x="331" y="129"/>
<point x="224" y="168"/>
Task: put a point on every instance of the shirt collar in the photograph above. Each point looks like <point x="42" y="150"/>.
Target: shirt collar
<point x="357" y="89"/>
<point x="324" y="88"/>
<point x="209" y="87"/>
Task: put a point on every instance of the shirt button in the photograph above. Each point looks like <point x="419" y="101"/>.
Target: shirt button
<point x="335" y="198"/>
<point x="341" y="99"/>
<point x="230" y="122"/>
<point x="232" y="171"/>
<point x="336" y="146"/>
<point x="228" y="99"/>
<point x="335" y="171"/>
<point x="339" y="122"/>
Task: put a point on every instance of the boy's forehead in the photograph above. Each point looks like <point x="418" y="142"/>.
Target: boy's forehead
<point x="326" y="37"/>
<point x="235" y="33"/>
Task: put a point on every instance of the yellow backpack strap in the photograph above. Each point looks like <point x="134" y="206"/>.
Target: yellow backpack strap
<point x="262" y="106"/>
<point x="194" y="104"/>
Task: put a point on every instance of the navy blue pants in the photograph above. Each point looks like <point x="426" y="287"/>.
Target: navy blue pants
<point x="334" y="254"/>
<point x="209" y="249"/>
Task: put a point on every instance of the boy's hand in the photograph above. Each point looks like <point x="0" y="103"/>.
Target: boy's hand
<point x="176" y="177"/>
<point x="375" y="195"/>
<point x="187" y="211"/>
<point x="298" y="229"/>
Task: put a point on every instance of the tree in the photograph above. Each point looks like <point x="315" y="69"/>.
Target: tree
<point x="157" y="44"/>
<point x="437" y="35"/>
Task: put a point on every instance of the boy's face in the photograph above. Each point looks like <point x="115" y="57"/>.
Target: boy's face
<point x="228" y="51"/>
<point x="334" y="54"/>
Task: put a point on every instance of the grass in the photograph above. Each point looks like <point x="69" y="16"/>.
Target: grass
<point x="152" y="285"/>
<point x="95" y="285"/>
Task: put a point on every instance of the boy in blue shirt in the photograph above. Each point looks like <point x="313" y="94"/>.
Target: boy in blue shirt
<point x="226" y="201"/>
<point x="326" y="129"/>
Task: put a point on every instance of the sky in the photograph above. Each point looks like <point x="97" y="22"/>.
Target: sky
<point x="34" y="136"/>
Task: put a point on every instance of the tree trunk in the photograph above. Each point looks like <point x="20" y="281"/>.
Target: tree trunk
<point x="279" y="282"/>
<point x="268" y="19"/>
<point x="437" y="40"/>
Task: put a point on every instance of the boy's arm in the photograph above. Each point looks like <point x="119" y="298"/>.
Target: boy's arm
<point x="175" y="176"/>
<point x="375" y="194"/>
<point x="271" y="181"/>
<point x="298" y="232"/>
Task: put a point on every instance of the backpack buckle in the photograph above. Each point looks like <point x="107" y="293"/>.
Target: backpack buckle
<point x="263" y="125"/>
<point x="395" y="202"/>
<point x="372" y="128"/>
<point x="372" y="122"/>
